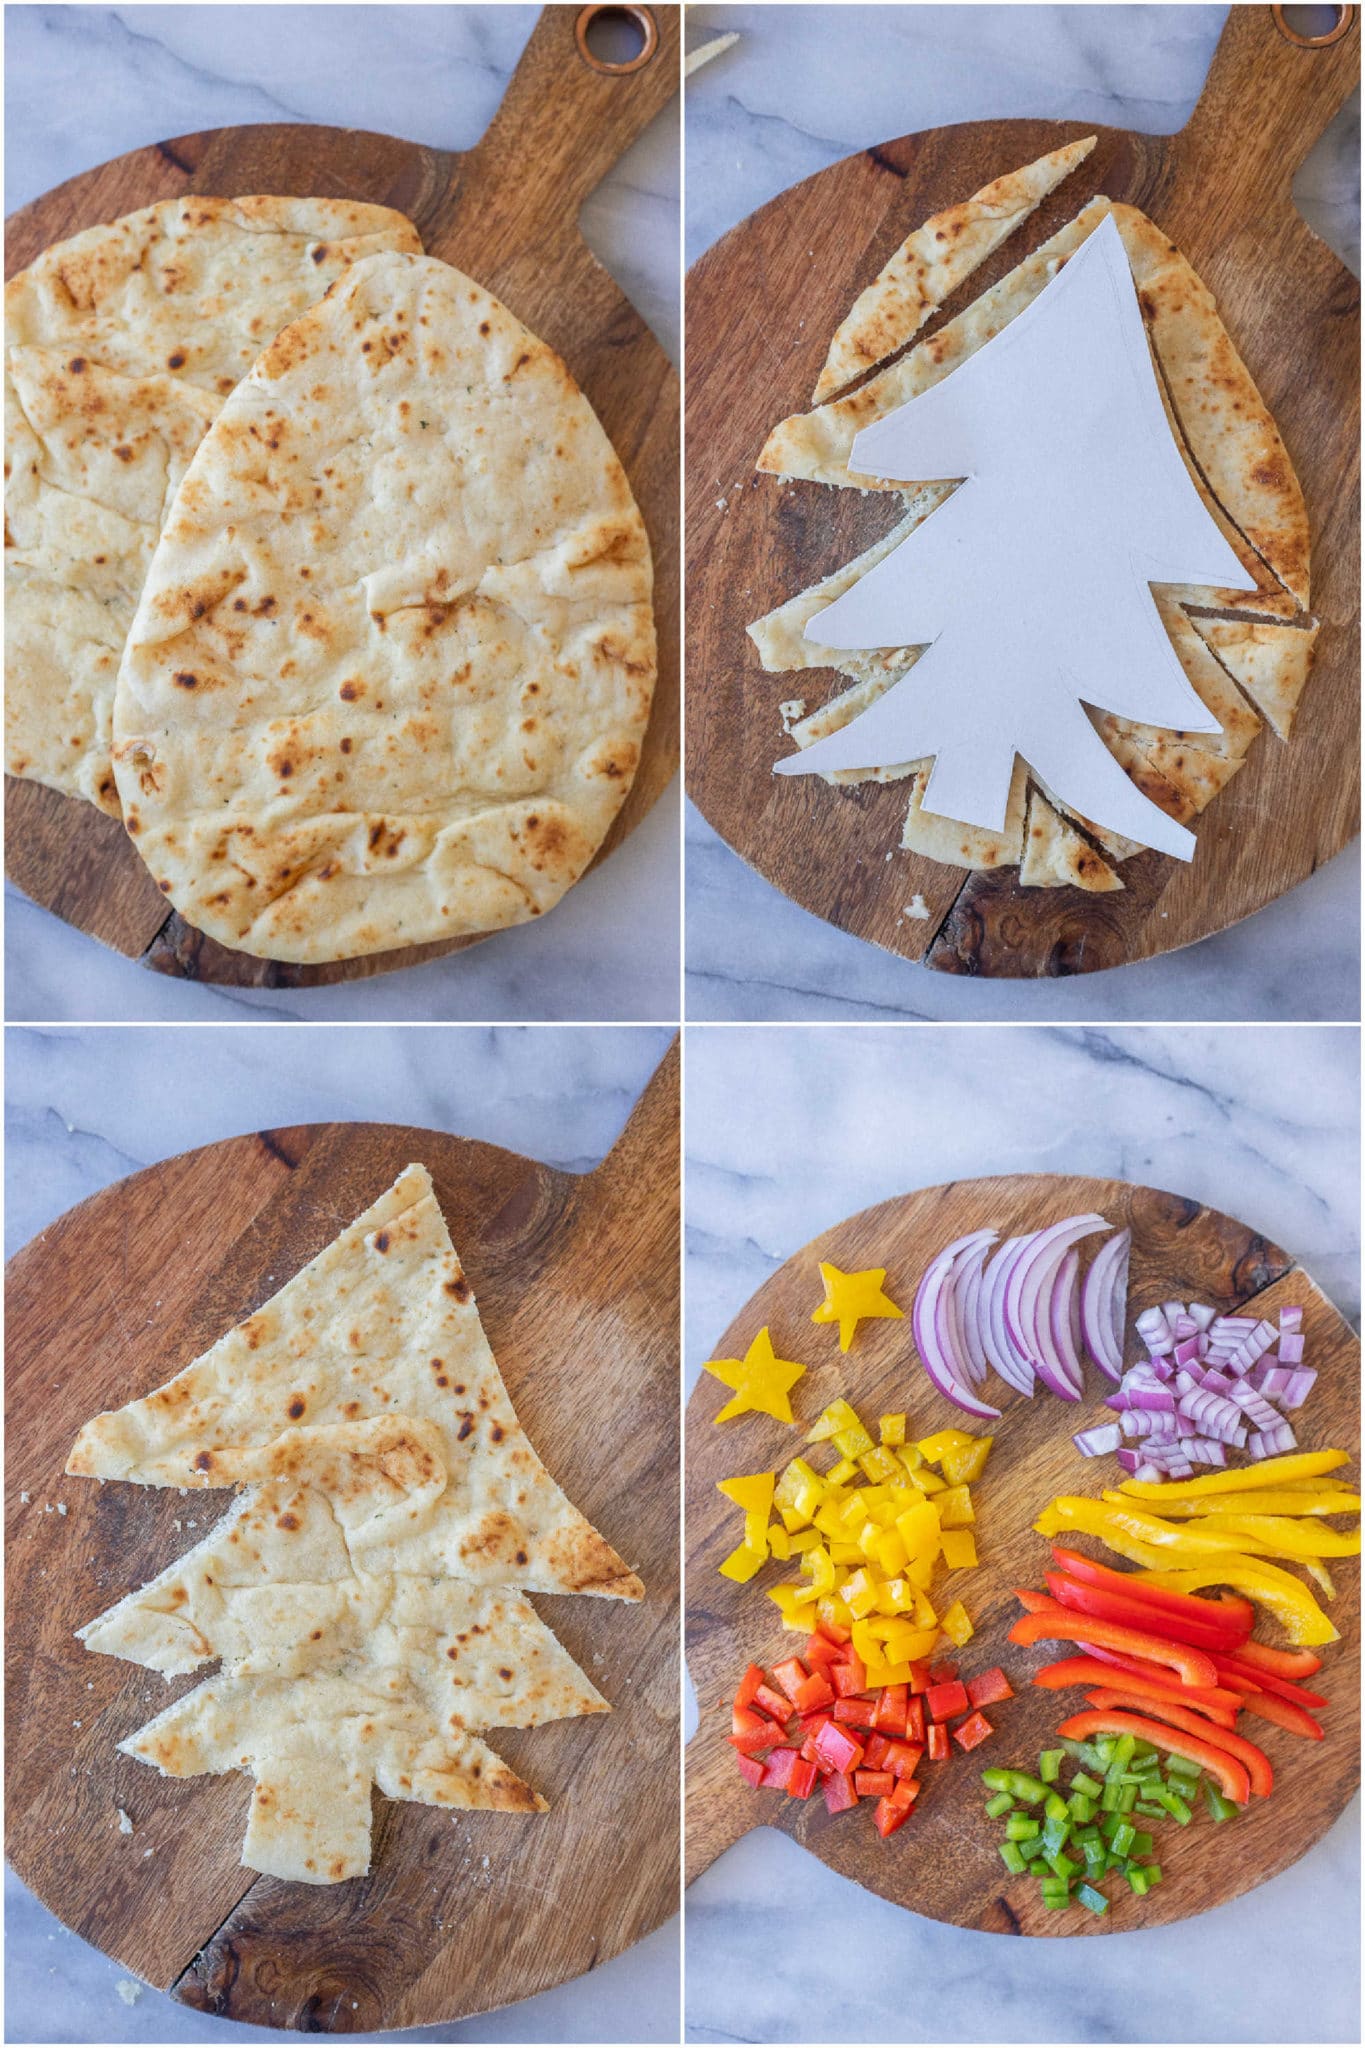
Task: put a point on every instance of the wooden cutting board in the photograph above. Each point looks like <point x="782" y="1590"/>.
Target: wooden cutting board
<point x="944" y="1862"/>
<point x="577" y="1281"/>
<point x="507" y="212"/>
<point x="761" y="308"/>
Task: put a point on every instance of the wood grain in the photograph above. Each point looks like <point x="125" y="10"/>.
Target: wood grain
<point x="944" y="1862"/>
<point x="761" y="306"/>
<point x="505" y="211"/>
<point x="577" y="1286"/>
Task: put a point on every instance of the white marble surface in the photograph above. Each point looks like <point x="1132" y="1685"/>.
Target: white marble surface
<point x="1261" y="1123"/>
<point x="86" y="1107"/>
<point x="803" y="87"/>
<point x="83" y="84"/>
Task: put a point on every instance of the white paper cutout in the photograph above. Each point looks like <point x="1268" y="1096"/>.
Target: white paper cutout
<point x="1028" y="588"/>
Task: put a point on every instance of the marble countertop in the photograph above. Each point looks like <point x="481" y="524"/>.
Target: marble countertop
<point x="1263" y="1124"/>
<point x="83" y="84"/>
<point x="86" y="1107"/>
<point x="790" y="98"/>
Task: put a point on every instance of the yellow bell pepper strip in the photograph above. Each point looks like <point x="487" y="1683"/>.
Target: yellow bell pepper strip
<point x="1170" y="1540"/>
<point x="1318" y="1572"/>
<point x="1270" y="1472"/>
<point x="1290" y="1500"/>
<point x="760" y="1381"/>
<point x="1269" y="1585"/>
<point x="1279" y="1536"/>
<point x="851" y="1298"/>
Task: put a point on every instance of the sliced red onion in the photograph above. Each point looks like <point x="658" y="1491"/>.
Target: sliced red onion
<point x="1104" y="1300"/>
<point x="1013" y="1368"/>
<point x="966" y="1313"/>
<point x="1097" y="1442"/>
<point x="1291" y="1346"/>
<point x="1063" y="1315"/>
<point x="933" y="1324"/>
<point x="1028" y="1283"/>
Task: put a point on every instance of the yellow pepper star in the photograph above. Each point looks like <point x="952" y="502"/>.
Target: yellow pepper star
<point x="761" y="1381"/>
<point x="849" y="1297"/>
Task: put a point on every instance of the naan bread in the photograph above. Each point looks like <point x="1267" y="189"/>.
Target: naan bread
<point x="121" y="345"/>
<point x="392" y="665"/>
<point x="1056" y="856"/>
<point x="966" y="846"/>
<point x="932" y="262"/>
<point x="1269" y="661"/>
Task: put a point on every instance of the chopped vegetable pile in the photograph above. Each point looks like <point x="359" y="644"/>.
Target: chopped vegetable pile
<point x="817" y="1720"/>
<point x="1210" y="1384"/>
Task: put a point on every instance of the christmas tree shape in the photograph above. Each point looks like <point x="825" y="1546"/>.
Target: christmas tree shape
<point x="360" y="1591"/>
<point x="1029" y="588"/>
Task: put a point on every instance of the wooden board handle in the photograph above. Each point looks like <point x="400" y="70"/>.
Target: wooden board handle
<point x="562" y="124"/>
<point x="1265" y="103"/>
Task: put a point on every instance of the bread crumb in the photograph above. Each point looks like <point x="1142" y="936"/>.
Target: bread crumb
<point x="125" y="1826"/>
<point x="24" y="1497"/>
<point x="917" y="907"/>
<point x="61" y="1507"/>
<point x="128" y="1991"/>
<point x="148" y="1852"/>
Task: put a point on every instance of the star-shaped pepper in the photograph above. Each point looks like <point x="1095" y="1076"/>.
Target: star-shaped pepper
<point x="851" y="1296"/>
<point x="761" y="1380"/>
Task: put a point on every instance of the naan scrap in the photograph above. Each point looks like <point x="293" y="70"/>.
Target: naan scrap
<point x="1056" y="856"/>
<point x="390" y="673"/>
<point x="120" y="347"/>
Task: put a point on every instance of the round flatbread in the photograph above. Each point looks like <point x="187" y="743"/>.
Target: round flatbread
<point x="393" y="662"/>
<point x="120" y="347"/>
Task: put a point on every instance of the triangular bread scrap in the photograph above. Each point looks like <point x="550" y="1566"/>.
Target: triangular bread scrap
<point x="966" y="846"/>
<point x="359" y="1591"/>
<point x="1269" y="661"/>
<point x="1057" y="857"/>
<point x="932" y="262"/>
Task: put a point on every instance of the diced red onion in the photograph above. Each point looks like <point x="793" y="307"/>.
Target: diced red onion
<point x="1187" y="1351"/>
<point x="1291" y="1318"/>
<point x="1203" y="1451"/>
<point x="1299" y="1386"/>
<point x="1097" y="1442"/>
<point x="1271" y="1443"/>
<point x="1200" y="1312"/>
<point x="1148" y="1472"/>
<point x="1291" y="1347"/>
<point x="1154" y="1330"/>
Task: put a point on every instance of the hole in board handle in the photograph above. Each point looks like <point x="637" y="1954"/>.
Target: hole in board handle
<point x="1309" y="27"/>
<point x="616" y="40"/>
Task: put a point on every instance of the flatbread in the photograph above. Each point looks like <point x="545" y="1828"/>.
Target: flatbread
<point x="841" y="711"/>
<point x="1269" y="661"/>
<point x="967" y="846"/>
<point x="121" y="345"/>
<point x="1056" y="856"/>
<point x="780" y="636"/>
<point x="392" y="665"/>
<point x="932" y="262"/>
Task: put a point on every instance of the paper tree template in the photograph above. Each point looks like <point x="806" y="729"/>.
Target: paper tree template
<point x="1029" y="588"/>
<point x="362" y="1593"/>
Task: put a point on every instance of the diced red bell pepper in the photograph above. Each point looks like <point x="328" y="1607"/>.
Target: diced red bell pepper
<point x="751" y="1732"/>
<point x="1194" y="1666"/>
<point x="1123" y="1674"/>
<point x="1268" y="1706"/>
<point x="753" y="1678"/>
<point x="1284" y="1663"/>
<point x="811" y="1724"/>
<point x="752" y="1769"/>
<point x="943" y="1701"/>
<point x="840" y="1792"/>
<point x="940" y="1749"/>
<point x="895" y="1808"/>
<point x="1190" y="1605"/>
<point x="801" y="1779"/>
<point x="821" y="1654"/>
<point x="856" y="1712"/>
<point x="1257" y="1763"/>
<point x="773" y="1704"/>
<point x="902" y="1759"/>
<point x="1229" y="1773"/>
<point x="919" y="1676"/>
<point x="791" y="1675"/>
<point x="944" y="1673"/>
<point x="875" y="1752"/>
<point x="972" y="1732"/>
<point x="914" y="1719"/>
<point x="891" y="1705"/>
<point x="849" y="1674"/>
<point x="1230" y="1668"/>
<point x="817" y="1692"/>
<point x="836" y="1747"/>
<point x="1206" y="1632"/>
<point x="988" y="1688"/>
<point x="778" y="1769"/>
<point x="872" y="1784"/>
<point x="834" y="1632"/>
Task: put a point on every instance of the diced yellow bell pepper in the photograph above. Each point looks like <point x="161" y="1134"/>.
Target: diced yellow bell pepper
<point x="895" y="1596"/>
<point x="933" y="1447"/>
<point x="869" y="1536"/>
<point x="779" y="1542"/>
<point x="919" y="1529"/>
<point x="756" y="1530"/>
<point x="865" y="1643"/>
<point x="802" y="1540"/>
<point x="954" y="1506"/>
<point x="911" y="1456"/>
<point x="742" y="1563"/>
<point x="830" y="1521"/>
<point x="967" y="1462"/>
<point x="840" y="1474"/>
<point x="752" y="1491"/>
<point x="853" y="1442"/>
<point x="860" y="1591"/>
<point x="818" y="1567"/>
<point x="837" y="1416"/>
<point x="879" y="1463"/>
<point x="917" y="1643"/>
<point x="891" y="1429"/>
<point x="793" y="1519"/>
<point x="845" y="1553"/>
<point x="833" y="1612"/>
<point x="891" y="1554"/>
<point x="810" y="1499"/>
<point x="959" y="1548"/>
<point x="928" y="1480"/>
<point x="956" y="1624"/>
<point x="925" y="1616"/>
<point x="785" y="1596"/>
<point x="796" y="1475"/>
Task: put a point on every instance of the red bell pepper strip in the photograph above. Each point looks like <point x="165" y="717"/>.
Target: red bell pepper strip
<point x="773" y="1704"/>
<point x="1194" y="1666"/>
<point x="778" y="1769"/>
<point x="943" y="1701"/>
<point x="1284" y="1663"/>
<point x="1259" y="1773"/>
<point x="972" y="1732"/>
<point x="1034" y="1602"/>
<point x="856" y="1713"/>
<point x="1219" y="1705"/>
<point x="836" y="1747"/>
<point x="914" y="1719"/>
<point x="817" y="1692"/>
<point x="873" y="1784"/>
<point x="1230" y="1606"/>
<point x="891" y="1708"/>
<point x="839" y="1792"/>
<point x="988" y="1688"/>
<point x="753" y="1678"/>
<point x="791" y="1675"/>
<point x="1229" y="1774"/>
<point x="940" y="1749"/>
<point x="752" y="1769"/>
<point x="1268" y="1681"/>
<point x="1108" y="1605"/>
<point x="1268" y="1706"/>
